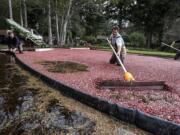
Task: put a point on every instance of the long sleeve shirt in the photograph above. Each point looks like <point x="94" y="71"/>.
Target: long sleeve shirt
<point x="13" y="41"/>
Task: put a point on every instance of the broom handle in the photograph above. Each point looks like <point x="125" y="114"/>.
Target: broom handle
<point x="171" y="47"/>
<point x="124" y="69"/>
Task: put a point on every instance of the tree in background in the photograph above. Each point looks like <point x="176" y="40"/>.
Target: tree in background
<point x="57" y="22"/>
<point x="49" y="23"/>
<point x="150" y="16"/>
<point x="10" y="9"/>
<point x="90" y="17"/>
<point x="61" y="16"/>
<point x="118" y="10"/>
<point x="4" y="9"/>
<point x="71" y="19"/>
<point x="25" y="14"/>
<point x="21" y="13"/>
<point x="65" y="23"/>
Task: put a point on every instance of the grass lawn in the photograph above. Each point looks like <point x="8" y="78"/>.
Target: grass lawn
<point x="152" y="53"/>
<point x="3" y="46"/>
<point x="147" y="52"/>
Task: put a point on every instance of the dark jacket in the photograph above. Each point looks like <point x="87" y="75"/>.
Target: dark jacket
<point x="178" y="41"/>
<point x="13" y="42"/>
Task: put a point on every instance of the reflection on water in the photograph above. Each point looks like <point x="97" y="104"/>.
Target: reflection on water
<point x="27" y="106"/>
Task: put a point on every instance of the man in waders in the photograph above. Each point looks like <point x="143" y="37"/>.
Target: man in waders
<point x="14" y="42"/>
<point x="118" y="44"/>
<point x="178" y="52"/>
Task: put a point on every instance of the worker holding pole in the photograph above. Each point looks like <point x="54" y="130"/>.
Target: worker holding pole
<point x="178" y="52"/>
<point x="14" y="42"/>
<point x="118" y="44"/>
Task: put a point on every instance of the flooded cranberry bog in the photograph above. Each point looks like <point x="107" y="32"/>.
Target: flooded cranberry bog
<point x="28" y="106"/>
<point x="150" y="109"/>
<point x="146" y="108"/>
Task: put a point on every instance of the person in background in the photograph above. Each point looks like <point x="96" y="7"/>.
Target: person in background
<point x="178" y="52"/>
<point x="14" y="42"/>
<point x="118" y="44"/>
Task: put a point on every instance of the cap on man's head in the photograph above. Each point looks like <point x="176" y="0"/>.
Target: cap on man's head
<point x="115" y="28"/>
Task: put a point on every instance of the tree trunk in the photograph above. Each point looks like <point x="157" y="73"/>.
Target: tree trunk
<point x="49" y="23"/>
<point x="64" y="33"/>
<point x="160" y="35"/>
<point x="10" y="10"/>
<point x="68" y="39"/>
<point x="61" y="29"/>
<point x="21" y="13"/>
<point x="57" y="24"/>
<point x="25" y="14"/>
<point x="149" y="39"/>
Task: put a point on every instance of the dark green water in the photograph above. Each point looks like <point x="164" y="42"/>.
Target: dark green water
<point x="29" y="107"/>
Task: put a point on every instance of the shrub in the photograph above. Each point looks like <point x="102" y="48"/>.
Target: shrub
<point x="125" y="36"/>
<point x="137" y="39"/>
<point x="90" y="39"/>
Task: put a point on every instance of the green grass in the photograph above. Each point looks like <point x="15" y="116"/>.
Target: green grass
<point x="140" y="51"/>
<point x="3" y="46"/>
<point x="152" y="53"/>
